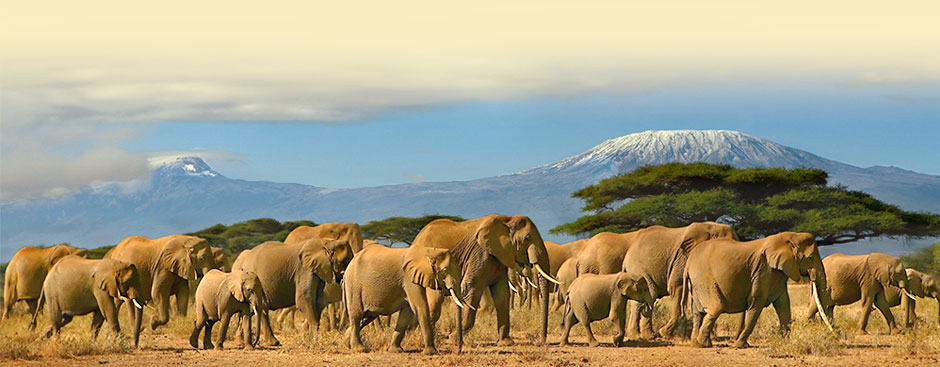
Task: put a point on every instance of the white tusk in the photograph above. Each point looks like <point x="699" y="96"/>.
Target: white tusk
<point x="819" y="308"/>
<point x="457" y="301"/>
<point x="907" y="294"/>
<point x="545" y="275"/>
<point x="254" y="309"/>
<point x="514" y="290"/>
<point x="530" y="283"/>
<point x="139" y="307"/>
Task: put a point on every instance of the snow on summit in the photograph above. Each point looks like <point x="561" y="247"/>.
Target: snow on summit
<point x="189" y="166"/>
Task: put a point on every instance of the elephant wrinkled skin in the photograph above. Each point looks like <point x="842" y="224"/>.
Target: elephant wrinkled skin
<point x="376" y="281"/>
<point x="863" y="277"/>
<point x="26" y="272"/>
<point x="78" y="286"/>
<point x="168" y="265"/>
<point x="727" y="276"/>
<point x="221" y="295"/>
<point x="485" y="249"/>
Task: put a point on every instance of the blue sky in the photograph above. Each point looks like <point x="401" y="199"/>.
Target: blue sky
<point x="867" y="126"/>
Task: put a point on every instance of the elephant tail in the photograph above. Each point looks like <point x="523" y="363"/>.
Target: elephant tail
<point x="685" y="302"/>
<point x="39" y="304"/>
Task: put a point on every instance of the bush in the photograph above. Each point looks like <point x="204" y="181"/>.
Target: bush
<point x="806" y="338"/>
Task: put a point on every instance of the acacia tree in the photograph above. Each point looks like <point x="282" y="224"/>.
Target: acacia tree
<point x="400" y="229"/>
<point x="757" y="202"/>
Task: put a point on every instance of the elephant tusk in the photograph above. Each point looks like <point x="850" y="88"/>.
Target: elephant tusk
<point x="545" y="275"/>
<point x="907" y="294"/>
<point x="514" y="290"/>
<point x="530" y="283"/>
<point x="136" y="304"/>
<point x="254" y="309"/>
<point x="820" y="308"/>
<point x="454" y="296"/>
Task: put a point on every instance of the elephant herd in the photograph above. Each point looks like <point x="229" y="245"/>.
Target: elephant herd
<point x="703" y="269"/>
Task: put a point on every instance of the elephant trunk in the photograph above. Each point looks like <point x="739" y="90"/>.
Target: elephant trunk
<point x="538" y="257"/>
<point x="138" y="320"/>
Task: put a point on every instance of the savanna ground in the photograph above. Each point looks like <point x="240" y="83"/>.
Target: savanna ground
<point x="808" y="343"/>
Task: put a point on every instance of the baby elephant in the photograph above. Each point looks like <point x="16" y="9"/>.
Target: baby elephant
<point x="221" y="295"/>
<point x="78" y="286"/>
<point x="594" y="297"/>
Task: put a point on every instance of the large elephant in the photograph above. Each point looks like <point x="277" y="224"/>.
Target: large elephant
<point x="221" y="295"/>
<point x="78" y="286"/>
<point x="376" y="281"/>
<point x="863" y="277"/>
<point x="26" y="272"/>
<point x="727" y="276"/>
<point x="170" y="265"/>
<point x="295" y="274"/>
<point x="347" y="231"/>
<point x="918" y="285"/>
<point x="654" y="253"/>
<point x="657" y="255"/>
<point x="485" y="249"/>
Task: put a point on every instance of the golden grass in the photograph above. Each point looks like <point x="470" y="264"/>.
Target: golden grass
<point x="805" y="338"/>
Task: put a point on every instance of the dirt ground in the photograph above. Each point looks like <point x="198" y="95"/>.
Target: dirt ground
<point x="169" y="345"/>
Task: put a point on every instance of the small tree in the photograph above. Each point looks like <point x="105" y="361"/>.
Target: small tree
<point x="926" y="259"/>
<point x="757" y="202"/>
<point x="400" y="229"/>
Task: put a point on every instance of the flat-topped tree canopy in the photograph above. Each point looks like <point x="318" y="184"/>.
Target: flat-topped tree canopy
<point x="757" y="202"/>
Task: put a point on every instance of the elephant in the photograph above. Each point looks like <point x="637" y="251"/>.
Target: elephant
<point x="654" y="253"/>
<point x="593" y="297"/>
<point x="348" y="231"/>
<point x="558" y="255"/>
<point x="919" y="285"/>
<point x="77" y="286"/>
<point x="295" y="274"/>
<point x="484" y="249"/>
<point x="727" y="276"/>
<point x="168" y="266"/>
<point x="863" y="277"/>
<point x="376" y="281"/>
<point x="567" y="273"/>
<point x="221" y="260"/>
<point x="221" y="295"/>
<point x="26" y="272"/>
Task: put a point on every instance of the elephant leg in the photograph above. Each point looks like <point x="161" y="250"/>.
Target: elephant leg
<point x="223" y="330"/>
<point x="246" y="332"/>
<point x="207" y="338"/>
<point x="161" y="299"/>
<point x="882" y="304"/>
<point x="435" y="302"/>
<point x="907" y="305"/>
<point x="866" y="312"/>
<point x="417" y="298"/>
<point x="750" y="320"/>
<point x="109" y="311"/>
<point x="197" y="327"/>
<point x="782" y="308"/>
<point x="620" y="319"/>
<point x="704" y="335"/>
<point x="355" y="332"/>
<point x="501" y="293"/>
<point x="646" y="322"/>
<point x="31" y="305"/>
<point x="590" y="333"/>
<point x="633" y="324"/>
<point x="675" y="313"/>
<point x="182" y="300"/>
<point x="265" y="320"/>
<point x="405" y="317"/>
<point x="9" y="298"/>
<point x="742" y="318"/>
<point x="570" y="320"/>
<point x="97" y="319"/>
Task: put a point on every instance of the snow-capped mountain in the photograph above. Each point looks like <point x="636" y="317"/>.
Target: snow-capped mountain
<point x="186" y="194"/>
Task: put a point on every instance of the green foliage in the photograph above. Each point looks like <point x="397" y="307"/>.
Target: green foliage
<point x="98" y="253"/>
<point x="400" y="229"/>
<point x="926" y="259"/>
<point x="245" y="235"/>
<point x="757" y="202"/>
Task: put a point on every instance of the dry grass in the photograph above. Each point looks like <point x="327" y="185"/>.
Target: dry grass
<point x="806" y="340"/>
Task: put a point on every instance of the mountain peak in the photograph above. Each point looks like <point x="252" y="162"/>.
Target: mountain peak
<point x="628" y="152"/>
<point x="183" y="166"/>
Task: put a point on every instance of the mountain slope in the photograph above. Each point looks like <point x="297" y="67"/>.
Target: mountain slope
<point x="185" y="194"/>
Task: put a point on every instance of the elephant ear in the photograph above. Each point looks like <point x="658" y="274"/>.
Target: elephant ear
<point x="234" y="282"/>
<point x="340" y="250"/>
<point x="313" y="257"/>
<point x="780" y="255"/>
<point x="879" y="269"/>
<point x="107" y="280"/>
<point x="177" y="258"/>
<point x="915" y="284"/>
<point x="418" y="264"/>
<point x="627" y="283"/>
<point x="494" y="236"/>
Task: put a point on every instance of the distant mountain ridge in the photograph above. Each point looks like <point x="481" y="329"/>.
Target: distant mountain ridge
<point x="185" y="194"/>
